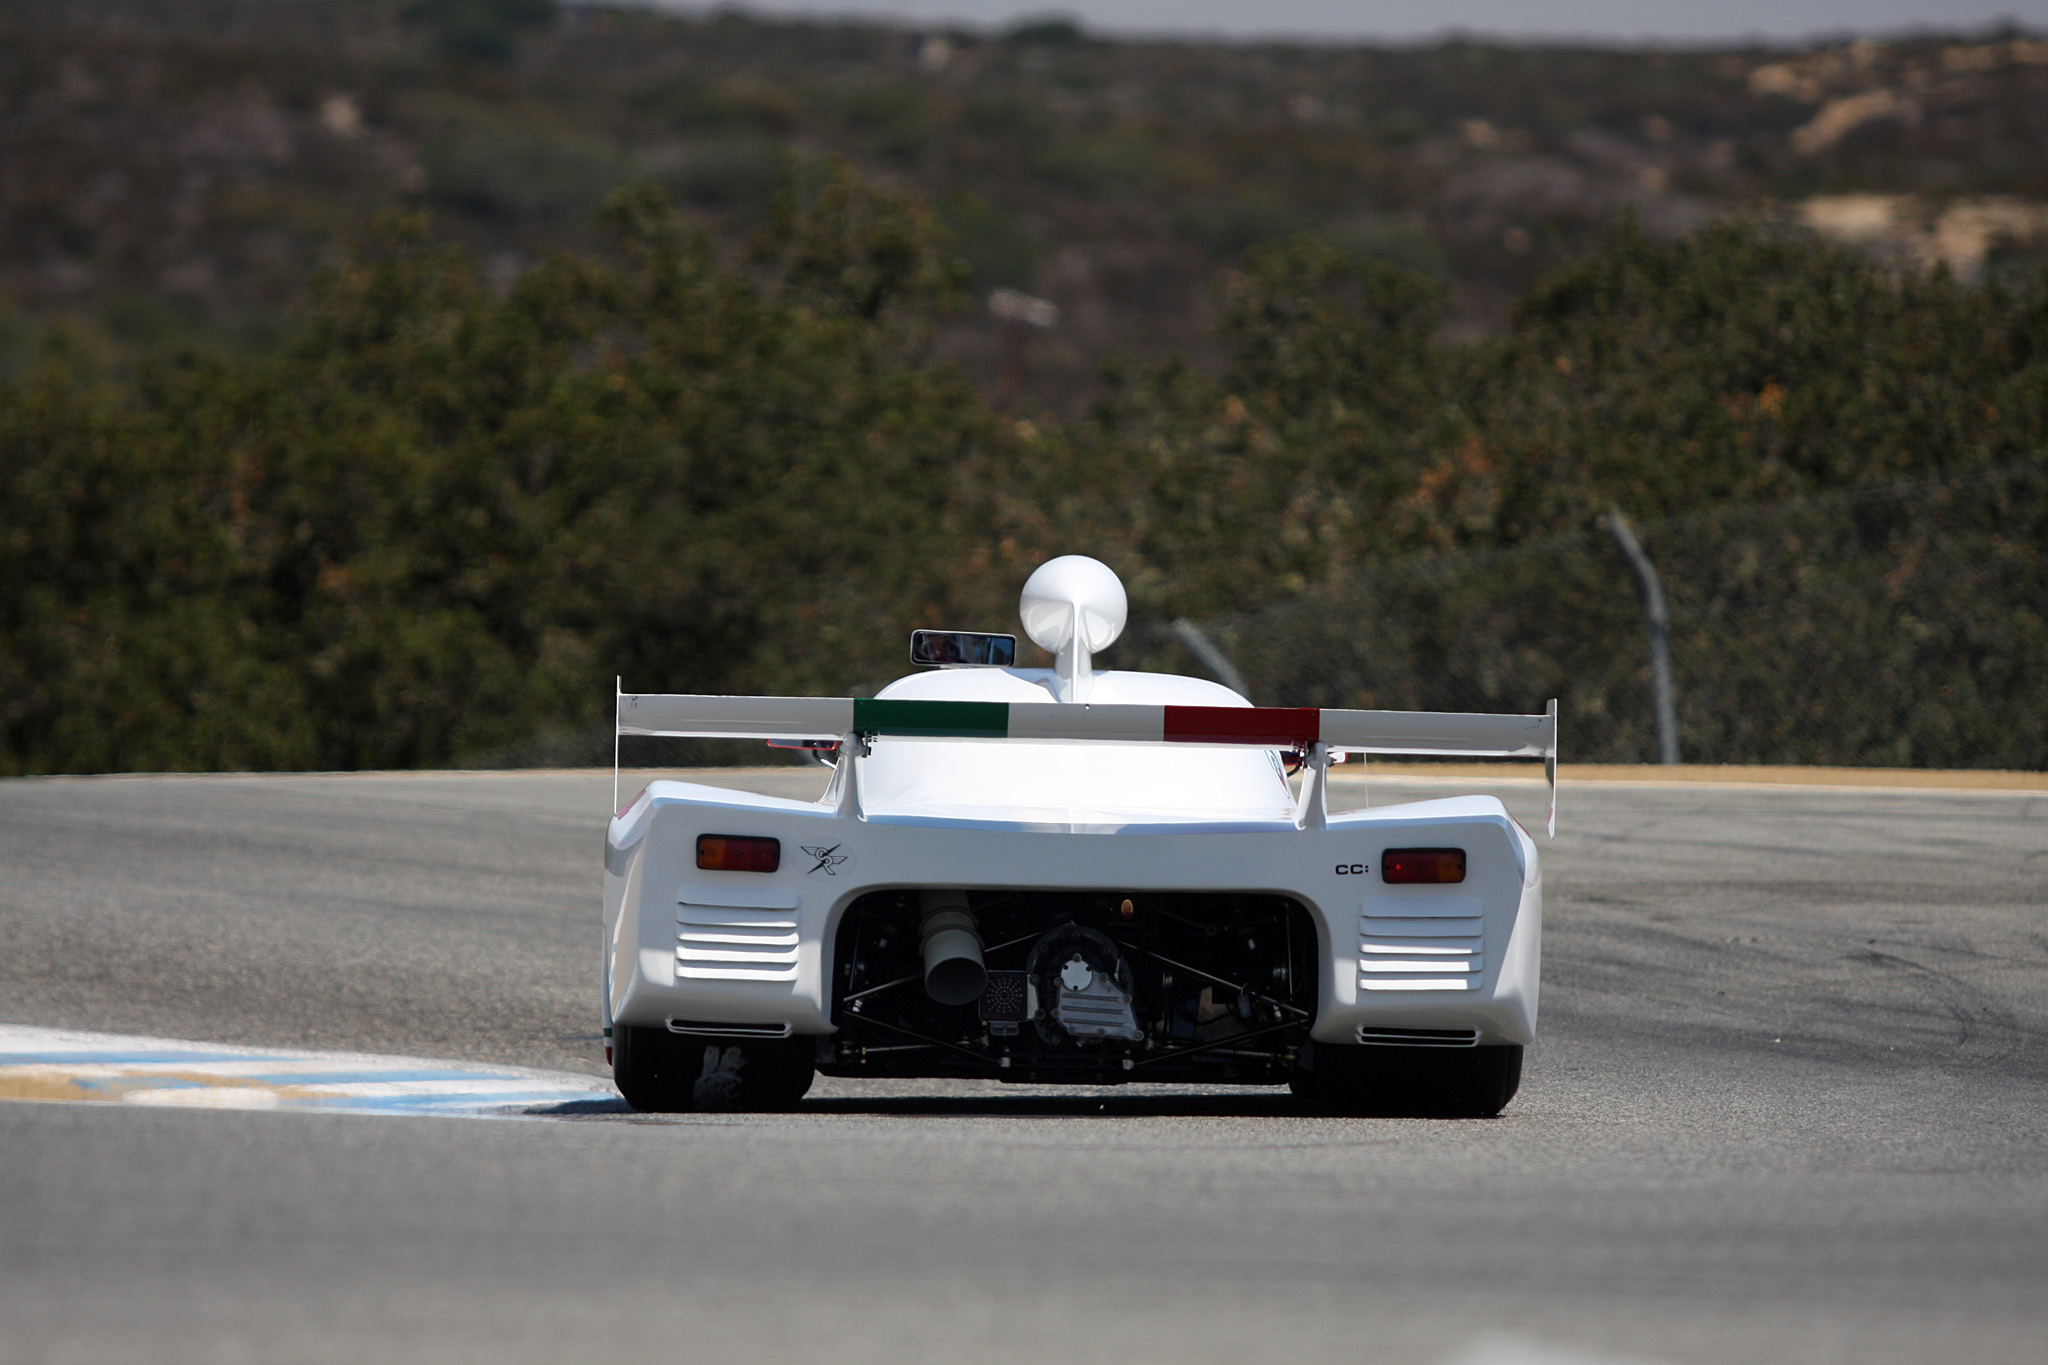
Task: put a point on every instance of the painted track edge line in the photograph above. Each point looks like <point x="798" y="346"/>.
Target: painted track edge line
<point x="71" y="1066"/>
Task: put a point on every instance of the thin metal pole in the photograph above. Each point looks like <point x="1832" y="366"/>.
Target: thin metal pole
<point x="1658" y="622"/>
<point x="1215" y="660"/>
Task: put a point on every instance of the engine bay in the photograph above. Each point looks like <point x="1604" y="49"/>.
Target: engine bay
<point x="1081" y="987"/>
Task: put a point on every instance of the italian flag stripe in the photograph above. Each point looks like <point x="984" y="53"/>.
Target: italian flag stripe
<point x="950" y="719"/>
<point x="1284" y="727"/>
<point x="1058" y="721"/>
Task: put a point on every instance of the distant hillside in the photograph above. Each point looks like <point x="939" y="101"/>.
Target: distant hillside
<point x="174" y="169"/>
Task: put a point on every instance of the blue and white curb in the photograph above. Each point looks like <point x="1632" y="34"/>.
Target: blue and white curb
<point x="56" y="1064"/>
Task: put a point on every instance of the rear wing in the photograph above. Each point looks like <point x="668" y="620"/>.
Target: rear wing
<point x="1321" y="733"/>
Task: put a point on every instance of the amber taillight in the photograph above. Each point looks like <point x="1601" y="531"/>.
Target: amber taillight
<point x="1398" y="865"/>
<point x="738" y="853"/>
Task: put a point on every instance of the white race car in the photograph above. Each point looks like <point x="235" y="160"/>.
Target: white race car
<point x="1063" y="875"/>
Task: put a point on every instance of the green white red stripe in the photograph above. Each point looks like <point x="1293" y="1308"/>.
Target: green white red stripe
<point x="1401" y="732"/>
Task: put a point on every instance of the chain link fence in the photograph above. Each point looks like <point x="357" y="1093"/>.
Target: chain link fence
<point x="1899" y="626"/>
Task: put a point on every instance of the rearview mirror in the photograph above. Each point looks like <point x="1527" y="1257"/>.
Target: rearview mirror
<point x="962" y="649"/>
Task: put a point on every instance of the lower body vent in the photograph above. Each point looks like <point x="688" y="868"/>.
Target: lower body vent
<point x="709" y="1029"/>
<point x="1418" y="1037"/>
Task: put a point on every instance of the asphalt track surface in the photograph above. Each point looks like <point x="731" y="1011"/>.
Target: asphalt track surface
<point x="1790" y="1103"/>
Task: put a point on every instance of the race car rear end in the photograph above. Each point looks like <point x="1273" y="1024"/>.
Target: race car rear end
<point x="1009" y="883"/>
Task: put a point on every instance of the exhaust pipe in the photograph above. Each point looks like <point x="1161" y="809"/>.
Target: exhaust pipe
<point x="953" y="970"/>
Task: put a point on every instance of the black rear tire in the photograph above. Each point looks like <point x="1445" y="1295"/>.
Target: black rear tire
<point x="1417" y="1082"/>
<point x="660" y="1072"/>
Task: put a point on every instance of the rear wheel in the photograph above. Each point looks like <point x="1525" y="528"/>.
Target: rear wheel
<point x="1417" y="1082"/>
<point x="660" y="1072"/>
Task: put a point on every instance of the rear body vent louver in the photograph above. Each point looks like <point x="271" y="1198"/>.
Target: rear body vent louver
<point x="730" y="933"/>
<point x="1421" y="943"/>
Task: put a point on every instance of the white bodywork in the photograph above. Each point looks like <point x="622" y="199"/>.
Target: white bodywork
<point x="753" y="952"/>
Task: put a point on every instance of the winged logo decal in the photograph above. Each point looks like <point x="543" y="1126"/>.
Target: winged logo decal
<point x="827" y="858"/>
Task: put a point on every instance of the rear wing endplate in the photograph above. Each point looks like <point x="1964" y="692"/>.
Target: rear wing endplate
<point x="1320" y="732"/>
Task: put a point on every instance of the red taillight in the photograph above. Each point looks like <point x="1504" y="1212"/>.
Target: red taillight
<point x="738" y="853"/>
<point x="1422" y="865"/>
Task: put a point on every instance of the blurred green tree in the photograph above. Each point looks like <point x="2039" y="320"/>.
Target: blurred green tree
<point x="442" y="519"/>
<point x="439" y="520"/>
<point x="484" y="30"/>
